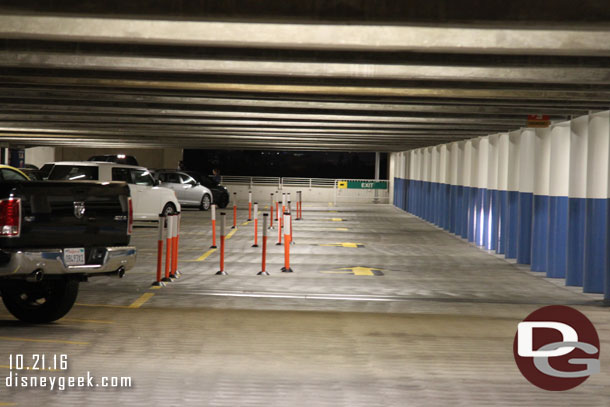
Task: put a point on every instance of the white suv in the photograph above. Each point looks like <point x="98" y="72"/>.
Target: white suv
<point x="149" y="200"/>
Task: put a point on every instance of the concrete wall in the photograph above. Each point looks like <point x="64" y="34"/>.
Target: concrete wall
<point x="540" y="196"/>
<point x="151" y="158"/>
<point x="39" y="155"/>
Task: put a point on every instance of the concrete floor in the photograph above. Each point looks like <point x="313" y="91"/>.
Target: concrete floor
<point x="433" y="325"/>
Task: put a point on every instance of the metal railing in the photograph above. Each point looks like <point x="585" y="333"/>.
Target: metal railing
<point x="278" y="181"/>
<point x="323" y="187"/>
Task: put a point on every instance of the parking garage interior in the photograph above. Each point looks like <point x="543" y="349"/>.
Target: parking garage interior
<point x="408" y="291"/>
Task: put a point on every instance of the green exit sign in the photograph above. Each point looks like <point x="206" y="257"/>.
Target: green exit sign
<point x="363" y="185"/>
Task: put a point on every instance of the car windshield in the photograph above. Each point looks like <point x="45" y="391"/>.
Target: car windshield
<point x="74" y="173"/>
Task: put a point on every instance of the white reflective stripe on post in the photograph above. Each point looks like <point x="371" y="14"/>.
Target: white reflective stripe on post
<point x="265" y="224"/>
<point x="161" y="226"/>
<point x="249" y="196"/>
<point x="214" y="212"/>
<point x="170" y="227"/>
<point x="272" y="201"/>
<point x="287" y="224"/>
<point x="255" y="210"/>
<point x="284" y="199"/>
<point x="178" y="219"/>
<point x="175" y="226"/>
<point x="223" y="223"/>
<point x="289" y="207"/>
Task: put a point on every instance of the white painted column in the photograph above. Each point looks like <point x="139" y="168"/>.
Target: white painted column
<point x="392" y="167"/>
<point x="527" y="159"/>
<point x="596" y="277"/>
<point x="503" y="148"/>
<point x="559" y="188"/>
<point x="540" y="232"/>
<point x="579" y="134"/>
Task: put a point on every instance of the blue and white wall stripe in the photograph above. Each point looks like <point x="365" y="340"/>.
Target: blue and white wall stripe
<point x="540" y="196"/>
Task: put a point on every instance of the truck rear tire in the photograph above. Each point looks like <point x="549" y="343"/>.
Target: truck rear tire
<point x="41" y="302"/>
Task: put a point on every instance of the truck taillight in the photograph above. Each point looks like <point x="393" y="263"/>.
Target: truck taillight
<point x="10" y="217"/>
<point x="129" y="216"/>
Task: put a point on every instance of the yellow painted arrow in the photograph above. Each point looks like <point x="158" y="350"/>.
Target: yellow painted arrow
<point x="357" y="271"/>
<point x="343" y="244"/>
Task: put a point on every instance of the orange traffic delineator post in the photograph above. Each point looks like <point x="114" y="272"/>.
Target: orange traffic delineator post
<point x="264" y="271"/>
<point x="299" y="205"/>
<point x="176" y="237"/>
<point x="279" y="230"/>
<point x="289" y="207"/>
<point x="223" y="223"/>
<point x="213" y="227"/>
<point x="271" y="212"/>
<point x="286" y="268"/>
<point x="255" y="225"/>
<point x="249" y="206"/>
<point x="168" y="247"/>
<point x="283" y="209"/>
<point x="277" y="210"/>
<point x="158" y="281"/>
<point x="234" y="210"/>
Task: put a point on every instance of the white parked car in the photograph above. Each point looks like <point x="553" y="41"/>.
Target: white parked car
<point x="149" y="199"/>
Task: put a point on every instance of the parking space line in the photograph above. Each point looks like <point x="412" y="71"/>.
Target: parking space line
<point x="87" y="321"/>
<point x="140" y="301"/>
<point x="80" y="304"/>
<point x="206" y="255"/>
<point x="16" y="339"/>
<point x="8" y="404"/>
<point x="231" y="233"/>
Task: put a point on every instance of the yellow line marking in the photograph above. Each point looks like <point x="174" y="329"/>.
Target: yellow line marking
<point x="333" y="211"/>
<point x="336" y="272"/>
<point x="246" y="223"/>
<point x="155" y="287"/>
<point x="143" y="298"/>
<point x="342" y="244"/>
<point x="80" y="304"/>
<point x="89" y="321"/>
<point x="11" y="338"/>
<point x="8" y="404"/>
<point x="336" y="219"/>
<point x="342" y="229"/>
<point x="206" y="255"/>
<point x="231" y="233"/>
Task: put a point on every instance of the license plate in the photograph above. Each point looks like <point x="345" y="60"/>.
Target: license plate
<point x="74" y="257"/>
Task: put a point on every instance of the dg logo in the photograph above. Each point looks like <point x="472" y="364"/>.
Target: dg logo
<point x="556" y="348"/>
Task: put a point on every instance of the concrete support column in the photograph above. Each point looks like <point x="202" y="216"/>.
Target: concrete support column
<point x="453" y="170"/>
<point x="596" y="276"/>
<point x="540" y="237"/>
<point x="467" y="217"/>
<point x="512" y="203"/>
<point x="426" y="180"/>
<point x="444" y="181"/>
<point x="482" y="197"/>
<point x="579" y="135"/>
<point x="434" y="166"/>
<point x="392" y="177"/>
<point x="473" y="167"/>
<point x="502" y="152"/>
<point x="559" y="187"/>
<point x="406" y="175"/>
<point x="527" y="158"/>
<point x="493" y="208"/>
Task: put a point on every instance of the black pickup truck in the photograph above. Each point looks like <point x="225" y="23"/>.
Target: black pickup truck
<point x="54" y="235"/>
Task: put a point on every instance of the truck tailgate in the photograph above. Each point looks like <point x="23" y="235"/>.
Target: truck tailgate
<point x="63" y="214"/>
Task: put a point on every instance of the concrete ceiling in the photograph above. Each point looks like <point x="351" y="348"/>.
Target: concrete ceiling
<point x="348" y="75"/>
